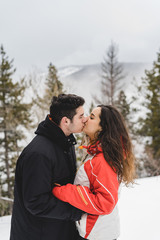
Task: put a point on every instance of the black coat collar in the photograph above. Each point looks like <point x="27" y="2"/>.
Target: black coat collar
<point x="52" y="131"/>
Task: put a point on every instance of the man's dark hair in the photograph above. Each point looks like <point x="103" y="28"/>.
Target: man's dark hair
<point x="65" y="105"/>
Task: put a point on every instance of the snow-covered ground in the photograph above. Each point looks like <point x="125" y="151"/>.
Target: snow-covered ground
<point x="139" y="212"/>
<point x="5" y="227"/>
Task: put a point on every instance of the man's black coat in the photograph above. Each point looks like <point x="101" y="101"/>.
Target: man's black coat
<point x="37" y="214"/>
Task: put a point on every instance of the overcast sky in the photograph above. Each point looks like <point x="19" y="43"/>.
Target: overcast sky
<point x="71" y="32"/>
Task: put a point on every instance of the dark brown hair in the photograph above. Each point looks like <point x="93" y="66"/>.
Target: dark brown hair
<point x="65" y="105"/>
<point x="116" y="144"/>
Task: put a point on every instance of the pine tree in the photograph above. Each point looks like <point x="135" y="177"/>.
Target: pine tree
<point x="53" y="84"/>
<point x="111" y="75"/>
<point x="126" y="109"/>
<point x="123" y="106"/>
<point x="91" y="107"/>
<point x="14" y="114"/>
<point x="151" y="123"/>
<point x="53" y="87"/>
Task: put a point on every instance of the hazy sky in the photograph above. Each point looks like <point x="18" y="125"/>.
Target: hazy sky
<point x="70" y="32"/>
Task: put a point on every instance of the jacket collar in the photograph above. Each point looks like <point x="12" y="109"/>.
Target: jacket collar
<point x="93" y="149"/>
<point x="52" y="131"/>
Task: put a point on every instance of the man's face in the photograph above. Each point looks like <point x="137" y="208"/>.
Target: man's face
<point x="78" y="121"/>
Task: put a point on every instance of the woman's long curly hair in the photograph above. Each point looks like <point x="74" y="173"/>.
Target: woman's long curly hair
<point x="116" y="144"/>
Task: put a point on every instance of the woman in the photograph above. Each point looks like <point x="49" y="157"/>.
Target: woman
<point x="110" y="161"/>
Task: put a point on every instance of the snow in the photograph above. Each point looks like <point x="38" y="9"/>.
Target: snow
<point x="65" y="71"/>
<point x="139" y="212"/>
<point x="5" y="227"/>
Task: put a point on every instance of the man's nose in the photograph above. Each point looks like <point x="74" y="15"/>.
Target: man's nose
<point x="85" y="119"/>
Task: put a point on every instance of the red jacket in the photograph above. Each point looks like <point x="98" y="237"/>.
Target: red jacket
<point x="95" y="191"/>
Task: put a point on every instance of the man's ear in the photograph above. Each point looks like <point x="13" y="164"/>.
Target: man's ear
<point x="65" y="121"/>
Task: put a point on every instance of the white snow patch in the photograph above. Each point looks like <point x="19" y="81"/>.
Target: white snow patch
<point x="66" y="71"/>
<point x="5" y="227"/>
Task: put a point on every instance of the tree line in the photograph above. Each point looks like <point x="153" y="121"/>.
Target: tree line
<point x="16" y="114"/>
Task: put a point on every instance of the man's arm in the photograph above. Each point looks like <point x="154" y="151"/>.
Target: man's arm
<point x="37" y="190"/>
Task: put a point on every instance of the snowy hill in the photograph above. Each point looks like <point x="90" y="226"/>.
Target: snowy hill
<point x="85" y="80"/>
<point x="139" y="212"/>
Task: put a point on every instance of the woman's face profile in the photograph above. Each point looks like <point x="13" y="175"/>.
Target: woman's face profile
<point x="92" y="126"/>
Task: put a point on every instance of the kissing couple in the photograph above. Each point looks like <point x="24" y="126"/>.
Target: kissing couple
<point x="55" y="201"/>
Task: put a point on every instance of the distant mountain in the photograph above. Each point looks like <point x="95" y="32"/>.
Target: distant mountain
<point x="85" y="80"/>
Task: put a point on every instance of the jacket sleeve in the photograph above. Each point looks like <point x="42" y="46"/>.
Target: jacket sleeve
<point x="37" y="191"/>
<point x="104" y="194"/>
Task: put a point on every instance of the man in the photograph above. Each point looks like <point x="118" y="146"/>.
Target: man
<point x="48" y="159"/>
